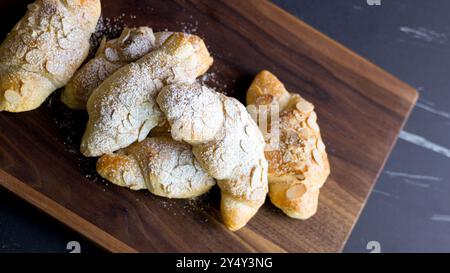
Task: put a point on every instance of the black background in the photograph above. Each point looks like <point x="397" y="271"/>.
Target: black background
<point x="409" y="210"/>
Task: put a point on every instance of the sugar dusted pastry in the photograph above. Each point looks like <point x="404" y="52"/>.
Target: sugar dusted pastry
<point x="299" y="166"/>
<point x="132" y="44"/>
<point x="162" y="165"/>
<point x="226" y="142"/>
<point x="123" y="109"/>
<point x="44" y="50"/>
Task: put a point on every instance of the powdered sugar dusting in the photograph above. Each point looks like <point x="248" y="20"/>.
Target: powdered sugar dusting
<point x="226" y="141"/>
<point x="190" y="27"/>
<point x="132" y="44"/>
<point x="70" y="126"/>
<point x="167" y="166"/>
<point x="213" y="80"/>
<point x="122" y="109"/>
<point x="52" y="40"/>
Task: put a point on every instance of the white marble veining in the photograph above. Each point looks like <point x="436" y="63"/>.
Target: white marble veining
<point x="384" y="193"/>
<point x="433" y="110"/>
<point x="413" y="176"/>
<point x="424" y="143"/>
<point x="415" y="183"/>
<point x="425" y="101"/>
<point x="440" y="217"/>
<point x="425" y="34"/>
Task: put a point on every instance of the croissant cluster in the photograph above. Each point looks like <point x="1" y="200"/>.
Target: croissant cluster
<point x="153" y="125"/>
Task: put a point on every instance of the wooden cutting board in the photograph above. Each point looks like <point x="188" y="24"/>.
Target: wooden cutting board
<point x="361" y="110"/>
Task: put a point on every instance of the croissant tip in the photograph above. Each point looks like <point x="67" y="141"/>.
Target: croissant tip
<point x="302" y="207"/>
<point x="236" y="213"/>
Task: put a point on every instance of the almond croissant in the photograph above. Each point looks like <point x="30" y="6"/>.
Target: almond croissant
<point x="123" y="109"/>
<point x="111" y="55"/>
<point x="44" y="50"/>
<point x="299" y="166"/>
<point x="162" y="165"/>
<point x="226" y="142"/>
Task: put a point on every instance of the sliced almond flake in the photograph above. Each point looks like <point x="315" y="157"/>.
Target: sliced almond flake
<point x="245" y="146"/>
<point x="65" y="43"/>
<point x="255" y="176"/>
<point x="60" y="34"/>
<point x="316" y="156"/>
<point x="111" y="54"/>
<point x="320" y="145"/>
<point x="145" y="129"/>
<point x="43" y="23"/>
<point x="28" y="40"/>
<point x="44" y="40"/>
<point x="31" y="20"/>
<point x="132" y="119"/>
<point x="312" y="117"/>
<point x="21" y="50"/>
<point x="35" y="34"/>
<point x="12" y="96"/>
<point x="304" y="106"/>
<point x="298" y="116"/>
<point x="312" y="122"/>
<point x="35" y="57"/>
<point x="314" y="126"/>
<point x="33" y="7"/>
<point x="127" y="177"/>
<point x="248" y="130"/>
<point x="54" y="68"/>
<point x="113" y="112"/>
<point x="310" y="141"/>
<point x="102" y="73"/>
<point x="300" y="176"/>
<point x="67" y="25"/>
<point x="75" y="35"/>
<point x="296" y="191"/>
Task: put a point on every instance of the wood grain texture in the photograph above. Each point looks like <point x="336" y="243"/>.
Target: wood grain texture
<point x="360" y="108"/>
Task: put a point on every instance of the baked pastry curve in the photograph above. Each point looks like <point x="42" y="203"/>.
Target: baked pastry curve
<point x="227" y="143"/>
<point x="132" y="44"/>
<point x="162" y="165"/>
<point x="44" y="50"/>
<point x="123" y="109"/>
<point x="299" y="166"/>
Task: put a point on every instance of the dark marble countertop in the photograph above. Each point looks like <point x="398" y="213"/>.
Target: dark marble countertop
<point x="409" y="209"/>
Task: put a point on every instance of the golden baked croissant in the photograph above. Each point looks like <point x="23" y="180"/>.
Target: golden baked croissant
<point x="299" y="167"/>
<point x="44" y="50"/>
<point x="162" y="165"/>
<point x="132" y="44"/>
<point x="226" y="142"/>
<point x="123" y="110"/>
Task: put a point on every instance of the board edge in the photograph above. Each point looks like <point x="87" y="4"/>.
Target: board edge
<point x="62" y="214"/>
